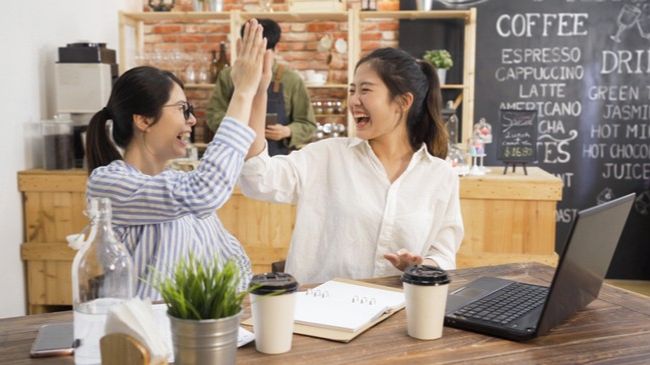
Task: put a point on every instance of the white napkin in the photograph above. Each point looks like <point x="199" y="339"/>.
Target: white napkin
<point x="135" y="318"/>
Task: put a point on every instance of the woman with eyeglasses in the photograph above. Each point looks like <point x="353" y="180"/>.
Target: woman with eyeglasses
<point x="163" y="215"/>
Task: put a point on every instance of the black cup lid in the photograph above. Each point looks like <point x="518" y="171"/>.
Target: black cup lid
<point x="425" y="275"/>
<point x="273" y="283"/>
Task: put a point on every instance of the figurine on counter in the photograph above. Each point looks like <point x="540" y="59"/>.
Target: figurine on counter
<point x="476" y="150"/>
<point x="481" y="135"/>
<point x="373" y="204"/>
<point x="483" y="131"/>
<point x="163" y="215"/>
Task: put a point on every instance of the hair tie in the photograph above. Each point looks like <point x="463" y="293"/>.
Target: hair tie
<point x="107" y="113"/>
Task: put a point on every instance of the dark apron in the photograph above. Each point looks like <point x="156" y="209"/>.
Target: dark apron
<point x="275" y="104"/>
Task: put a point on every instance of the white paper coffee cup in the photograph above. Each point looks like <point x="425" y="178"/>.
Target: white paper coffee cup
<point x="425" y="290"/>
<point x="273" y="303"/>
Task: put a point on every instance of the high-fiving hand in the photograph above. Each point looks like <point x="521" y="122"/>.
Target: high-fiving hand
<point x="246" y="72"/>
<point x="267" y="72"/>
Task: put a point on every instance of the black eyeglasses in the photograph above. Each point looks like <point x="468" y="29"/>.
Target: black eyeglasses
<point x="188" y="109"/>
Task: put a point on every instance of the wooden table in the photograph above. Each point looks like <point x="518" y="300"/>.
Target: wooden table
<point x="614" y="329"/>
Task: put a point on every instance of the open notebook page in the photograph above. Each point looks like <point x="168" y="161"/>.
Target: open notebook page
<point x="344" y="306"/>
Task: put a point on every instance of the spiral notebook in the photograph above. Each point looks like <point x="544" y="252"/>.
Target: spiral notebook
<point x="342" y="309"/>
<point x="345" y="306"/>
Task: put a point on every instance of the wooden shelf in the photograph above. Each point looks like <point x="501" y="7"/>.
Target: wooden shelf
<point x="200" y="86"/>
<point x="416" y="14"/>
<point x="453" y="86"/>
<point x="335" y="115"/>
<point x="177" y="15"/>
<point x="327" y="86"/>
<point x="286" y="16"/>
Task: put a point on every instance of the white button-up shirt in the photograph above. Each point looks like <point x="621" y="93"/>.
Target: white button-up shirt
<point x="348" y="212"/>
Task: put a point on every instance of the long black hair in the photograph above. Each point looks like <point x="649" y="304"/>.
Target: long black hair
<point x="141" y="90"/>
<point x="404" y="74"/>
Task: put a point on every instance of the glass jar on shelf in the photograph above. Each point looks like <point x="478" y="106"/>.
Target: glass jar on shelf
<point x="189" y="75"/>
<point x="203" y="76"/>
<point x="318" y="106"/>
<point x="329" y="107"/>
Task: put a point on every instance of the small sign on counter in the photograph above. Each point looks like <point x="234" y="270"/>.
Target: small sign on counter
<point x="517" y="137"/>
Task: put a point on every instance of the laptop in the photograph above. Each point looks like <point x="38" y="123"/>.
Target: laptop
<point x="519" y="311"/>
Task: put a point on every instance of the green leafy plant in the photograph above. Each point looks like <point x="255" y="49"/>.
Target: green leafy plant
<point x="202" y="291"/>
<point x="440" y="58"/>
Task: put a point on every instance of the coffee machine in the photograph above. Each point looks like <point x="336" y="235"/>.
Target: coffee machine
<point x="83" y="77"/>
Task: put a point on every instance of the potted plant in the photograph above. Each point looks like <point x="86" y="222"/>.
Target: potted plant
<point x="441" y="60"/>
<point x="161" y="5"/>
<point x="204" y="307"/>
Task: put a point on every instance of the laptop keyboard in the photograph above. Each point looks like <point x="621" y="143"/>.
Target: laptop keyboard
<point x="506" y="304"/>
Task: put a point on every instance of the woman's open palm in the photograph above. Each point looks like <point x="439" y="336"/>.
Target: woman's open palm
<point x="247" y="70"/>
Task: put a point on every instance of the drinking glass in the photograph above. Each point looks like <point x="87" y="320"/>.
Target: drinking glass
<point x="628" y="15"/>
<point x="643" y="22"/>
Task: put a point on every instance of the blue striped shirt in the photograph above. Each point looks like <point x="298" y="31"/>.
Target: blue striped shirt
<point x="163" y="218"/>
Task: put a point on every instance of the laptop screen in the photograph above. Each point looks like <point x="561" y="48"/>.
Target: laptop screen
<point x="585" y="260"/>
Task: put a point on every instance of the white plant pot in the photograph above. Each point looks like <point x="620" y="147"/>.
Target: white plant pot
<point x="442" y="75"/>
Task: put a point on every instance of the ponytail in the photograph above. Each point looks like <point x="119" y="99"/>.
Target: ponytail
<point x="429" y="127"/>
<point x="100" y="151"/>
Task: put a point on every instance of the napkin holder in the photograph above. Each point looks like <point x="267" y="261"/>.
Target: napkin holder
<point x="120" y="349"/>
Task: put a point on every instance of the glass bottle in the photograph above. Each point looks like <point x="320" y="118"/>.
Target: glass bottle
<point x="452" y="128"/>
<point x="214" y="67"/>
<point x="102" y="275"/>
<point x="223" y="58"/>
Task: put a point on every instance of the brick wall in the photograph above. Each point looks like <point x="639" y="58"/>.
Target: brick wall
<point x="177" y="45"/>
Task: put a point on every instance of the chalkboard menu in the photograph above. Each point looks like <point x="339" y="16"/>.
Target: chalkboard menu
<point x="585" y="67"/>
<point x="517" y="136"/>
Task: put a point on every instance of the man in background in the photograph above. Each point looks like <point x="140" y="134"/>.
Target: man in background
<point x="290" y="116"/>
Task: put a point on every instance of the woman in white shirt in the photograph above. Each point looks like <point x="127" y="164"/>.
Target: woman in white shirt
<point x="373" y="204"/>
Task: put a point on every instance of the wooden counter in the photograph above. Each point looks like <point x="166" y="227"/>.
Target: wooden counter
<point x="507" y="218"/>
